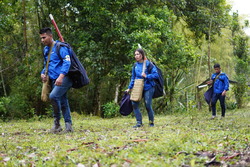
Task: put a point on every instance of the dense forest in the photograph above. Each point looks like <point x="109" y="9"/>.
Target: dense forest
<point x="183" y="37"/>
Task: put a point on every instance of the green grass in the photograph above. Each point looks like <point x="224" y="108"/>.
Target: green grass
<point x="187" y="139"/>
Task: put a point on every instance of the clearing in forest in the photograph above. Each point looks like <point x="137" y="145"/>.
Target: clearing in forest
<point x="183" y="139"/>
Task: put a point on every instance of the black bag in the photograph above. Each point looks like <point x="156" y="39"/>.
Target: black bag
<point x="208" y="95"/>
<point x="77" y="72"/>
<point x="159" y="83"/>
<point x="126" y="105"/>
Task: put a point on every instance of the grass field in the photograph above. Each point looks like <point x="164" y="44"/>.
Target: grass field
<point x="187" y="139"/>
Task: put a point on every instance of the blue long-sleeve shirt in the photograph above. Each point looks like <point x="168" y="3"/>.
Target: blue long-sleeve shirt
<point x="58" y="64"/>
<point x="221" y="83"/>
<point x="150" y="75"/>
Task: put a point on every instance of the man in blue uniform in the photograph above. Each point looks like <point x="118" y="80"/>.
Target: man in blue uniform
<point x="220" y="83"/>
<point x="57" y="71"/>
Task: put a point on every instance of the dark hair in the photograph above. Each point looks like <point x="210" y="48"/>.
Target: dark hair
<point x="141" y="51"/>
<point x="46" y="30"/>
<point x="217" y="65"/>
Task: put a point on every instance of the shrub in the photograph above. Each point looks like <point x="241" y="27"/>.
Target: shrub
<point x="110" y="110"/>
<point x="4" y="107"/>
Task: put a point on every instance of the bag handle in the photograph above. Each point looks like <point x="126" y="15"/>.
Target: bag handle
<point x="144" y="67"/>
<point x="47" y="64"/>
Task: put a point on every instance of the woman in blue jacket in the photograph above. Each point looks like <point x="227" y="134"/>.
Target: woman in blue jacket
<point x="148" y="91"/>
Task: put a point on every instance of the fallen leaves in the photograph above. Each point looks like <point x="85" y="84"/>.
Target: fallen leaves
<point x="88" y="143"/>
<point x="80" y="165"/>
<point x="205" y="154"/>
<point x="213" y="162"/>
<point x="97" y="142"/>
<point x="32" y="155"/>
<point x="225" y="158"/>
<point x="72" y="149"/>
<point x="6" y="159"/>
<point x="181" y="152"/>
<point x="137" y="140"/>
<point x="127" y="160"/>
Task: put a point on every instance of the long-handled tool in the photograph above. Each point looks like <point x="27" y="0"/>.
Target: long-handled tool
<point x="57" y="29"/>
<point x="202" y="86"/>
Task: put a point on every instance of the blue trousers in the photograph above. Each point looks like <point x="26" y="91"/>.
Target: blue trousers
<point x="215" y="98"/>
<point x="59" y="100"/>
<point x="148" y="95"/>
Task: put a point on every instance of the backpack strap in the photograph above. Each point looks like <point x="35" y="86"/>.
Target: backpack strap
<point x="48" y="59"/>
<point x="217" y="76"/>
<point x="222" y="79"/>
<point x="151" y="65"/>
<point x="58" y="47"/>
<point x="149" y="69"/>
<point x="134" y="68"/>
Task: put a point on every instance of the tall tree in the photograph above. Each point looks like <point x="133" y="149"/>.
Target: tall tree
<point x="25" y="45"/>
<point x="204" y="18"/>
<point x="240" y="43"/>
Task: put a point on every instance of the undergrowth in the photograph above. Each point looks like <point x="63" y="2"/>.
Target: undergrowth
<point x="187" y="139"/>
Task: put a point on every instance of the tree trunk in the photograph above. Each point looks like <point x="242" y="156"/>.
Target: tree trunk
<point x="96" y="100"/>
<point x="209" y="48"/>
<point x="208" y="58"/>
<point x="1" y="72"/>
<point x="198" y="99"/>
<point x="117" y="88"/>
<point x="25" y="47"/>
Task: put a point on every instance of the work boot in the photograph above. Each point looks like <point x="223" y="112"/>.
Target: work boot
<point x="68" y="127"/>
<point x="137" y="125"/>
<point x="151" y="124"/>
<point x="213" y="117"/>
<point x="56" y="127"/>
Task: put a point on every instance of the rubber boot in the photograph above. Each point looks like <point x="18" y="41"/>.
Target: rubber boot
<point x="56" y="127"/>
<point x="68" y="127"/>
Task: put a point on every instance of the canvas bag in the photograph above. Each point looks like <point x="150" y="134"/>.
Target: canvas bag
<point x="46" y="85"/>
<point x="136" y="93"/>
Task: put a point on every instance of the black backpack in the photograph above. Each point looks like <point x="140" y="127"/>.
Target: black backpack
<point x="76" y="72"/>
<point x="159" y="83"/>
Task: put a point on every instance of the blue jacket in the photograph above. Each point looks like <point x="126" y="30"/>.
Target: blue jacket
<point x="150" y="75"/>
<point x="57" y="64"/>
<point x="221" y="83"/>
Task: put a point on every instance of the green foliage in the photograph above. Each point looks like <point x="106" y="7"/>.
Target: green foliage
<point x="105" y="34"/>
<point x="241" y="47"/>
<point x="240" y="89"/>
<point x="241" y="52"/>
<point x="186" y="139"/>
<point x="203" y="17"/>
<point x="235" y="26"/>
<point x="231" y="105"/>
<point x="4" y="107"/>
<point x="110" y="110"/>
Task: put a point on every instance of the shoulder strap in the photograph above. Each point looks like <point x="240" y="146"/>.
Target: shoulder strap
<point x="224" y="75"/>
<point x="144" y="67"/>
<point x="134" y="67"/>
<point x="47" y="64"/>
<point x="217" y="76"/>
<point x="58" y="47"/>
<point x="151" y="65"/>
